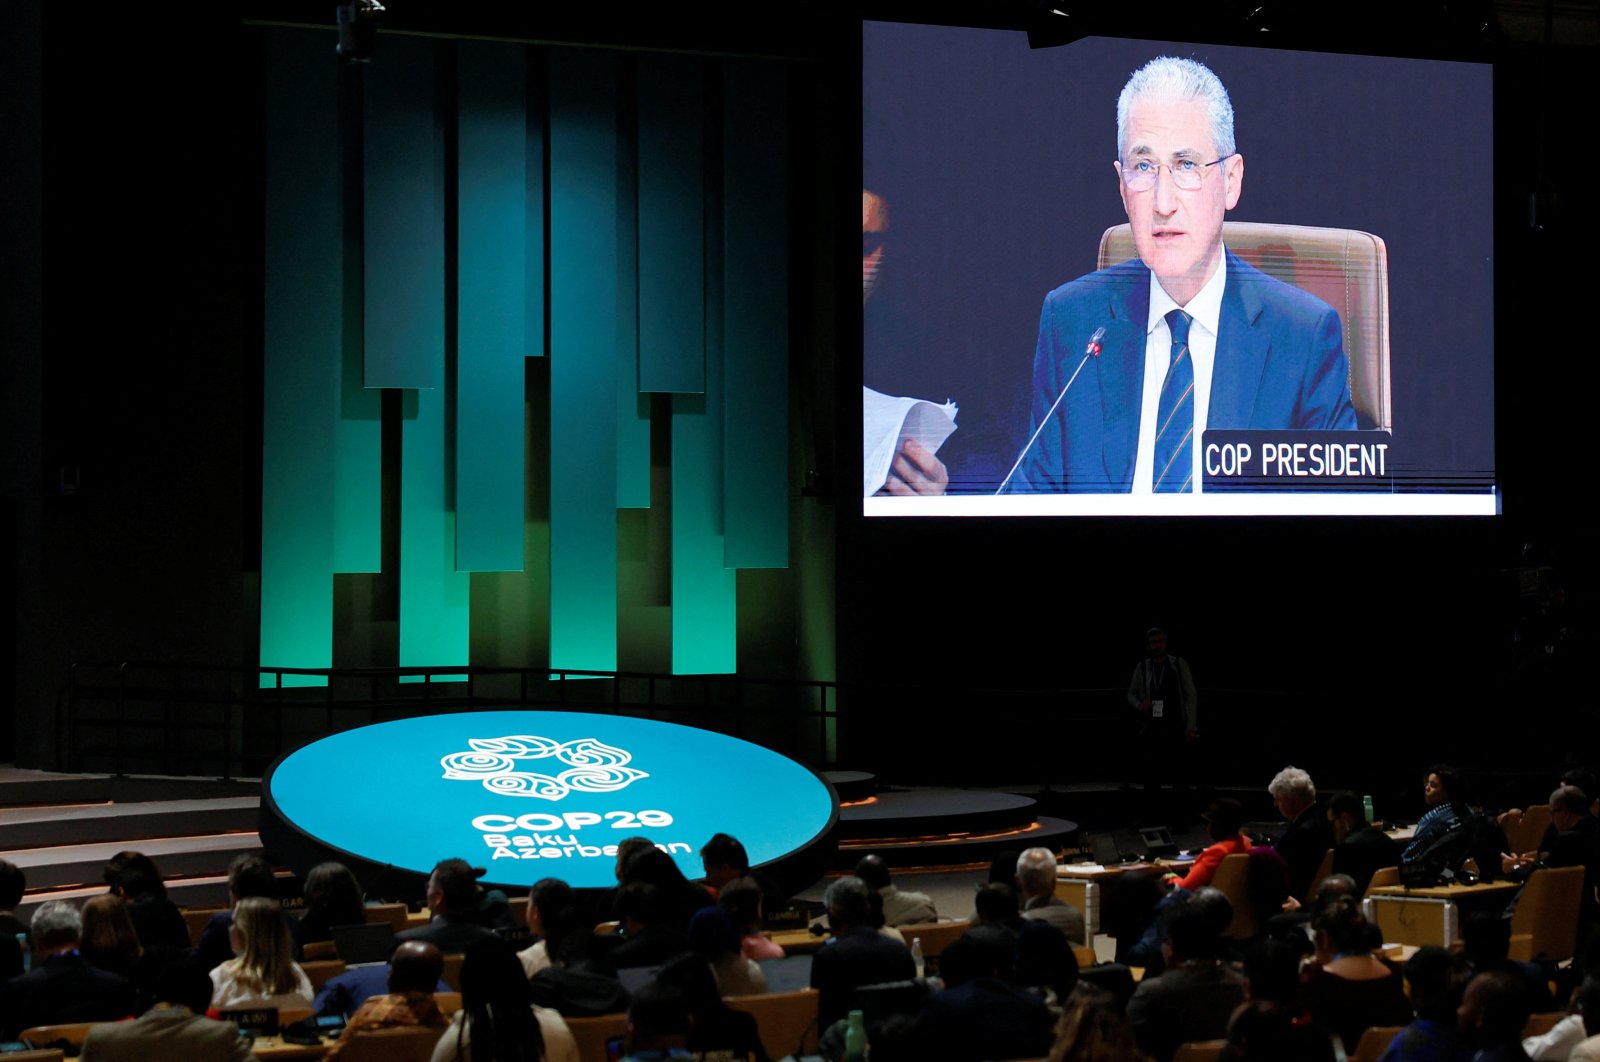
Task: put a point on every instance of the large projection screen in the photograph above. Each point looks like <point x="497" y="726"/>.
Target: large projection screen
<point x="1343" y="354"/>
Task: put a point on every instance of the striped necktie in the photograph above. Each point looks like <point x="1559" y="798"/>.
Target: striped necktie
<point x="1174" y="458"/>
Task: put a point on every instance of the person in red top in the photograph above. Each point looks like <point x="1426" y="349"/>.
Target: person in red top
<point x="1225" y="817"/>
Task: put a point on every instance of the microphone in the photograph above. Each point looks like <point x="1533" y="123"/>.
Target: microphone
<point x="1092" y="350"/>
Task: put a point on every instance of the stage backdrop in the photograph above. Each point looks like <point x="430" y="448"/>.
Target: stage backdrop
<point x="491" y="271"/>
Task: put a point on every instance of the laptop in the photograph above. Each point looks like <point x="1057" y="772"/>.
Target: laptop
<point x="364" y="944"/>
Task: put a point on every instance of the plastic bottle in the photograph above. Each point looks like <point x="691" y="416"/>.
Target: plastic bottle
<point x="916" y="955"/>
<point x="1366" y="806"/>
<point x="855" y="1038"/>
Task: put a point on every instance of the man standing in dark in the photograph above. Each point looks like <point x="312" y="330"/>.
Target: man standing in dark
<point x="1162" y="693"/>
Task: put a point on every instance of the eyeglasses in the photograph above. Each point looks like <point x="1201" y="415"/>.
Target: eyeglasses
<point x="1188" y="174"/>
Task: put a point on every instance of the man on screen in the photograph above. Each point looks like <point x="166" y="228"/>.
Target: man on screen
<point x="1193" y="338"/>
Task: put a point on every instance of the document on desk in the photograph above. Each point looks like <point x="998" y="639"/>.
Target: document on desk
<point x="887" y="420"/>
<point x="1069" y="869"/>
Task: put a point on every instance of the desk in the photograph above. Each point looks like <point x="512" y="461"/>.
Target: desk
<point x="275" y="1047"/>
<point x="797" y="941"/>
<point x="1430" y="915"/>
<point x="1081" y="885"/>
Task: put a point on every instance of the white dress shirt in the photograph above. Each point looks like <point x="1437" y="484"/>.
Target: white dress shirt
<point x="1206" y="309"/>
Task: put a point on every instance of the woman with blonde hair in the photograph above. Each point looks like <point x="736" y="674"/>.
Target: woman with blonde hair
<point x="264" y="973"/>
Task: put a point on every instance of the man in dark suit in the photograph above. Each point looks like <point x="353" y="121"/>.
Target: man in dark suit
<point x="1188" y="337"/>
<point x="978" y="1015"/>
<point x="857" y="955"/>
<point x="452" y="896"/>
<point x="1305" y="843"/>
<point x="61" y="987"/>
<point x="1360" y="849"/>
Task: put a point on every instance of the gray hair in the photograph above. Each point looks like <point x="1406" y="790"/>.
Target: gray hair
<point x="849" y="898"/>
<point x="56" y="924"/>
<point x="1170" y="79"/>
<point x="1292" y="781"/>
<point x="1036" y="871"/>
<point x="1570" y="798"/>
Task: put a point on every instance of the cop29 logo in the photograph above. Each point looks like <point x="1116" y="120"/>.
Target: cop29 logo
<point x="592" y="767"/>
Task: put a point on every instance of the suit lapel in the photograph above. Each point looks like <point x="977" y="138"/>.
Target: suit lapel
<point x="1121" y="374"/>
<point x="1242" y="350"/>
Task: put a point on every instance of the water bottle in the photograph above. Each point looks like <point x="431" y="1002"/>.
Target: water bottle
<point x="855" y="1038"/>
<point x="916" y="955"/>
<point x="27" y="953"/>
<point x="1366" y="806"/>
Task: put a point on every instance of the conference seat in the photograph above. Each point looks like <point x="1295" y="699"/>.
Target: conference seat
<point x="1528" y="831"/>
<point x="318" y="950"/>
<point x="591" y="1034"/>
<point x="935" y="936"/>
<point x="1346" y="268"/>
<point x="393" y="913"/>
<point x="1324" y="869"/>
<point x="1384" y="876"/>
<point x="1539" y="1024"/>
<point x="1547" y="910"/>
<point x="320" y="971"/>
<point x="72" y="1032"/>
<point x="47" y="1054"/>
<point x="447" y="1002"/>
<point x="197" y="918"/>
<point x="406" y="1043"/>
<point x="1233" y="880"/>
<point x="1085" y="955"/>
<point x="786" y="1021"/>
<point x="1199" y="1051"/>
<point x="1374" y="1042"/>
<point x="452" y="971"/>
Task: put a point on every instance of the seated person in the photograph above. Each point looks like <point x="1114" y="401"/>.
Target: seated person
<point x="1093" y="1028"/>
<point x="453" y="899"/>
<point x="1436" y="978"/>
<point x="1360" y="849"/>
<point x="742" y="900"/>
<point x="333" y="898"/>
<point x="413" y="972"/>
<point x="62" y="987"/>
<point x="1224" y="819"/>
<point x="978" y="1016"/>
<point x="174" y="1028"/>
<point x="1192" y="999"/>
<point x="156" y="919"/>
<point x="265" y="973"/>
<point x="900" y="908"/>
<point x="1439" y="787"/>
<point x="658" y="1025"/>
<point x="1305" y="843"/>
<point x="1573" y="840"/>
<point x="1347" y="988"/>
<point x="857" y="955"/>
<point x="677" y="899"/>
<point x="578" y="983"/>
<point x="646" y="941"/>
<point x="498" y="1018"/>
<point x="1493" y="1011"/>
<point x="1036" y="881"/>
<point x="1263" y="1031"/>
<point x="724" y="859"/>
<point x="1557" y="1044"/>
<point x="713" y="938"/>
<point x="1486" y="947"/>
<point x="248" y="875"/>
<point x="548" y="898"/>
<point x="1043" y="962"/>
<point x="715" y="1029"/>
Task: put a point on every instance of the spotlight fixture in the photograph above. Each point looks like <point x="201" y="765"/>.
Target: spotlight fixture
<point x="358" y="29"/>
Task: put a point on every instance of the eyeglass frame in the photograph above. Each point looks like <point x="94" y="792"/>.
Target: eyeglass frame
<point x="1123" y="171"/>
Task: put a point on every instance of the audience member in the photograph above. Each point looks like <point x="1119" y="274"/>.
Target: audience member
<point x="1440" y="788"/>
<point x="1224" y="820"/>
<point x="742" y="899"/>
<point x="1272" y="974"/>
<point x="548" y="898"/>
<point x="646" y="939"/>
<point x="109" y="941"/>
<point x="857" y="955"/>
<point x="900" y="908"/>
<point x="1557" y="1044"/>
<point x="174" y="1028"/>
<point x="414" y="969"/>
<point x="1349" y="988"/>
<point x="1309" y="836"/>
<point x="156" y="919"/>
<point x="996" y="921"/>
<point x="265" y="973"/>
<point x="333" y="898"/>
<point x="578" y="982"/>
<point x="345" y="993"/>
<point x="1093" y="1028"/>
<point x="1572" y="841"/>
<point x="723" y="858"/>
<point x="658" y="1025"/>
<point x="714" y="939"/>
<point x="1044" y="962"/>
<point x="1036" y="881"/>
<point x="13" y="883"/>
<point x="499" y="1020"/>
<point x="1436" y="978"/>
<point x="1262" y="1031"/>
<point x="978" y="1016"/>
<point x="249" y="875"/>
<point x="62" y="987"/>
<point x="676" y="898"/>
<point x="1588" y="1049"/>
<point x="716" y="1030"/>
<point x="1192" y="999"/>
<point x="1486" y="947"/>
<point x="1360" y="849"/>
<point x="453" y="899"/>
<point x="1492" y="1014"/>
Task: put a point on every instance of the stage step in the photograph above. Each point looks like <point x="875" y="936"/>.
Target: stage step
<point x="934" y="813"/>
<point x="56" y="825"/>
<point x="956" y="851"/>
<point x="84" y="864"/>
<point x="20" y="787"/>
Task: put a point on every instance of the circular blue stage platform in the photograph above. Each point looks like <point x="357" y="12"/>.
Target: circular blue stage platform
<point x="533" y="795"/>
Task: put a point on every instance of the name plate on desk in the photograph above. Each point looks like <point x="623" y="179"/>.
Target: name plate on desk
<point x="1259" y="461"/>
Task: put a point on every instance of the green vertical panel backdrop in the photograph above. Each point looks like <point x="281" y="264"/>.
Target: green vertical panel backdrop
<point x="672" y="330"/>
<point x="704" y="592"/>
<point x="633" y="408"/>
<point x="404" y="218"/>
<point x="358" y="443"/>
<point x="583" y="360"/>
<point x="755" y="316"/>
<point x="491" y="326"/>
<point x="300" y="386"/>
<point x="434" y="602"/>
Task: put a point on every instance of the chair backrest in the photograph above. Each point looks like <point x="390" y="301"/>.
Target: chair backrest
<point x="787" y="1021"/>
<point x="196" y="918"/>
<point x="1324" y="868"/>
<point x="49" y="1054"/>
<point x="1539" y="1024"/>
<point x="1199" y="1051"/>
<point x="452" y="971"/>
<point x="1233" y="879"/>
<point x="935" y="936"/>
<point x="447" y="1002"/>
<point x="404" y="1043"/>
<point x="1548" y="909"/>
<point x="321" y="971"/>
<point x="1529" y="830"/>
<point x="318" y="950"/>
<point x="290" y="1015"/>
<point x="72" y="1032"/>
<point x="1374" y="1042"/>
<point x="393" y="913"/>
<point x="1085" y="955"/>
<point x="1346" y="268"/>
<point x="1384" y="876"/>
<point x="591" y="1034"/>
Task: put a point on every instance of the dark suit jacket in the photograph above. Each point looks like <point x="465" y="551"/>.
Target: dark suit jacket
<point x="982" y="1019"/>
<point x="1580" y="847"/>
<point x="1280" y="364"/>
<point x="1363" y="853"/>
<point x="63" y="988"/>
<point x="451" y="934"/>
<point x="1303" y="846"/>
<point x="854" y="958"/>
<point x="1185" y="1003"/>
